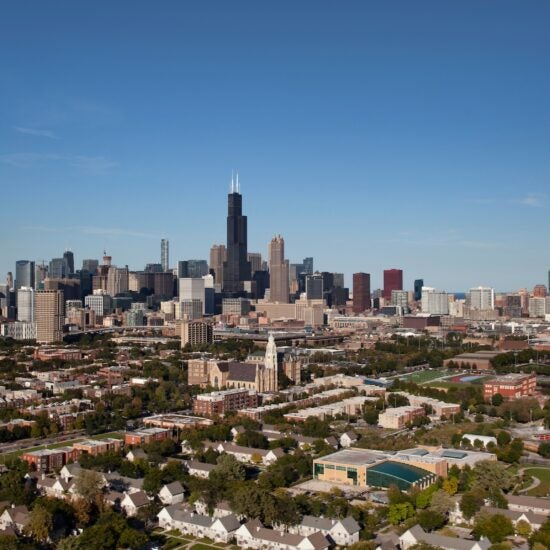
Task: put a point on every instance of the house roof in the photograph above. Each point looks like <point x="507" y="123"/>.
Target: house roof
<point x="175" y="488"/>
<point x="447" y="542"/>
<point x="326" y="524"/>
<point x="258" y="531"/>
<point x="196" y="465"/>
<point x="533" y="502"/>
<point x="139" y="498"/>
<point x="230" y="522"/>
<point x="537" y="519"/>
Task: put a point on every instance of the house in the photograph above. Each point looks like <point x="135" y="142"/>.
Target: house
<point x="348" y="439"/>
<point x="136" y="454"/>
<point x="172" y="493"/>
<point x="332" y="441"/>
<point x="15" y="517"/>
<point x="124" y="484"/>
<point x="534" y="520"/>
<point x="254" y="535"/>
<point x="342" y="532"/>
<point x="52" y="486"/>
<point x="70" y="471"/>
<point x="199" y="469"/>
<point x="198" y="525"/>
<point x="133" y="502"/>
<point x="221" y="510"/>
<point x="248" y="454"/>
<point x="236" y="431"/>
<point x="522" y="503"/>
<point x="416" y="535"/>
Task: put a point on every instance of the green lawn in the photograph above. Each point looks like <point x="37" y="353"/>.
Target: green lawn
<point x="425" y="375"/>
<point x="543" y="474"/>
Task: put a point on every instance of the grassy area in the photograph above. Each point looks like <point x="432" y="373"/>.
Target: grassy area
<point x="543" y="474"/>
<point x="424" y="376"/>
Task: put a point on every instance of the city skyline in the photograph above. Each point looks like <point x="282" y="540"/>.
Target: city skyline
<point x="395" y="142"/>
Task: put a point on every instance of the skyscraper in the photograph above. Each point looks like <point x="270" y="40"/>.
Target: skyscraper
<point x="68" y="256"/>
<point x="25" y="304"/>
<point x="255" y="259"/>
<point x="90" y="266"/>
<point x="393" y="280"/>
<point x="314" y="286"/>
<point x="481" y="298"/>
<point x="58" y="268"/>
<point x="237" y="268"/>
<point x="308" y="265"/>
<point x="361" y="292"/>
<point x="24" y="273"/>
<point x="218" y="255"/>
<point x="164" y="255"/>
<point x="49" y="311"/>
<point x="418" y="284"/>
<point x="278" y="271"/>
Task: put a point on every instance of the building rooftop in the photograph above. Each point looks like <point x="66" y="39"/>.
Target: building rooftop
<point x="354" y="456"/>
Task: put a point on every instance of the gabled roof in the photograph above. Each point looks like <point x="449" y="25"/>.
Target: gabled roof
<point x="327" y="524"/>
<point x="243" y="372"/>
<point x="230" y="523"/>
<point x="533" y="502"/>
<point x="138" y="499"/>
<point x="175" y="488"/>
<point x="446" y="542"/>
<point x="196" y="465"/>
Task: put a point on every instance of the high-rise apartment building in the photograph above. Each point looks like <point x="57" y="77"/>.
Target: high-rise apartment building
<point x="393" y="280"/>
<point x="481" y="298"/>
<point x="195" y="333"/>
<point x="361" y="292"/>
<point x="164" y="255"/>
<point x="218" y="255"/>
<point x="418" y="284"/>
<point x="99" y="302"/>
<point x="24" y="273"/>
<point x="540" y="291"/>
<point x="49" y="315"/>
<point x="435" y="302"/>
<point x="25" y="304"/>
<point x="278" y="271"/>
<point x="236" y="269"/>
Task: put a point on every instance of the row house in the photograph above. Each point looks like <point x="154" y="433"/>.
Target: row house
<point x="341" y="532"/>
<point x="248" y="454"/>
<point x="198" y="525"/>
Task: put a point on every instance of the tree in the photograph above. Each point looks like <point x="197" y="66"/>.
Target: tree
<point x="442" y="503"/>
<point x="131" y="538"/>
<point x="523" y="528"/>
<point x="400" y="512"/>
<point x="450" y="485"/>
<point x="253" y="439"/>
<point x="40" y="524"/>
<point x="503" y="438"/>
<point x="544" y="449"/>
<point x="424" y="497"/>
<point x="152" y="482"/>
<point x="497" y="400"/>
<point x="542" y="536"/>
<point x="490" y="476"/>
<point x="495" y="527"/>
<point x="89" y="484"/>
<point x="430" y="520"/>
<point x="470" y="504"/>
<point x="228" y="468"/>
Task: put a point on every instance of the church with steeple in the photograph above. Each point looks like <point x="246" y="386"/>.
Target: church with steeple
<point x="254" y="374"/>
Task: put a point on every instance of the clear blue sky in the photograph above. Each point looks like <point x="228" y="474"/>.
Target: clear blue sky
<point x="368" y="134"/>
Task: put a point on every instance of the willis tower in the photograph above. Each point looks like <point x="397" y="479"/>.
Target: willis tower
<point x="237" y="268"/>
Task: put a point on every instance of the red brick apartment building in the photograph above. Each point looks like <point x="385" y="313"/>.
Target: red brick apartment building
<point x="146" y="436"/>
<point x="220" y="402"/>
<point x="511" y="386"/>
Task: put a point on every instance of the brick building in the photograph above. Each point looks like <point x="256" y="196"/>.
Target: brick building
<point x="511" y="386"/>
<point x="146" y="436"/>
<point x="220" y="402"/>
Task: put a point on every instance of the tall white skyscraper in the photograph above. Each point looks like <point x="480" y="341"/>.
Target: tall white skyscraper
<point x="482" y="298"/>
<point x="164" y="254"/>
<point x="25" y="304"/>
<point x="435" y="302"/>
